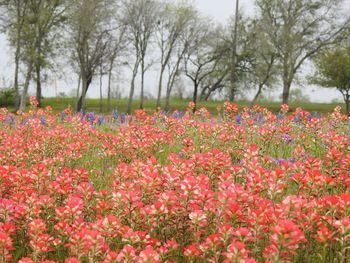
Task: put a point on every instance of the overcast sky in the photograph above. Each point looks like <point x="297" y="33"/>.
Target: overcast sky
<point x="219" y="10"/>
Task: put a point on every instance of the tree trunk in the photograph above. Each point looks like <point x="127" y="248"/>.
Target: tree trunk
<point x="167" y="101"/>
<point x="22" y="106"/>
<point x="86" y="81"/>
<point x="346" y="95"/>
<point x="100" y="103"/>
<point x="234" y="55"/>
<point x="109" y="87"/>
<point x="142" y="83"/>
<point x="79" y="82"/>
<point x="160" y="86"/>
<point x="286" y="89"/>
<point x="171" y="81"/>
<point x="132" y="86"/>
<point x="38" y="84"/>
<point x="207" y="96"/>
<point x="287" y="81"/>
<point x="17" y="56"/>
<point x="168" y="91"/>
<point x="257" y="95"/>
<point x="233" y="87"/>
<point x="195" y="94"/>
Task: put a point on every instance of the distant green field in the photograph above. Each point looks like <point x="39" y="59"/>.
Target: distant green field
<point x="60" y="104"/>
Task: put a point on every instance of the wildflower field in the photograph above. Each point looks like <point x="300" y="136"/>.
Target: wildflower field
<point x="248" y="186"/>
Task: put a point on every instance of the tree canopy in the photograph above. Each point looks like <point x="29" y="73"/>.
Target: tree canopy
<point x="333" y="71"/>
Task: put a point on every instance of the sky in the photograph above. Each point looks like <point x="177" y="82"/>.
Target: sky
<point x="219" y="10"/>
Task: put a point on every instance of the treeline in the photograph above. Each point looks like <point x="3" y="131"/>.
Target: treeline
<point x="96" y="37"/>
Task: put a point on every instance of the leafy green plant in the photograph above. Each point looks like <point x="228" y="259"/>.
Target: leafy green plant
<point x="7" y="97"/>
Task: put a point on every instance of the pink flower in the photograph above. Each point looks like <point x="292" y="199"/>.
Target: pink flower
<point x="148" y="255"/>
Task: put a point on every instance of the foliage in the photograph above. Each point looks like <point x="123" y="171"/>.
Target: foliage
<point x="247" y="186"/>
<point x="299" y="30"/>
<point x="333" y="71"/>
<point x="7" y="97"/>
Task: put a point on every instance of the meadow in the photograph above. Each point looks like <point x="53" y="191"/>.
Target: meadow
<point x="228" y="184"/>
<point x="92" y="105"/>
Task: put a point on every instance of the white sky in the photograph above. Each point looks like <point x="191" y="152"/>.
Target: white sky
<point x="220" y="10"/>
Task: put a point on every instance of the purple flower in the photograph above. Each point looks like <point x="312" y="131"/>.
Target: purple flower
<point x="291" y="160"/>
<point x="286" y="138"/>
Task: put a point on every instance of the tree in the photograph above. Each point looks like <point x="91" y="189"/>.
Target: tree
<point x="231" y="73"/>
<point x="117" y="47"/>
<point x="140" y="17"/>
<point x="233" y="77"/>
<point x="90" y="27"/>
<point x="202" y="56"/>
<point x="263" y="59"/>
<point x="13" y="14"/>
<point x="33" y="31"/>
<point x="171" y="31"/>
<point x="300" y="29"/>
<point x="333" y="71"/>
<point x="46" y="18"/>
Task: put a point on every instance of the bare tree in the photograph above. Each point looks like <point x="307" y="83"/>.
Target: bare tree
<point x="202" y="57"/>
<point x="140" y="18"/>
<point x="233" y="74"/>
<point x="299" y="29"/>
<point x="172" y="29"/>
<point x="90" y="27"/>
<point x="264" y="57"/>
<point x="12" y="19"/>
<point x="117" y="47"/>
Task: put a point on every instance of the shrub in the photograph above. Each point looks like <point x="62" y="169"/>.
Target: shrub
<point x="7" y="97"/>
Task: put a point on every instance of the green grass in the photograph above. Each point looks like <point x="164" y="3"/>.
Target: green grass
<point x="60" y="104"/>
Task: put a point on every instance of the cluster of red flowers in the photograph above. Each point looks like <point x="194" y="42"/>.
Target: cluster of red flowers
<point x="246" y="186"/>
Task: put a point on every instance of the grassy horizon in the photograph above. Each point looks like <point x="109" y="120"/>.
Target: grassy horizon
<point x="92" y="104"/>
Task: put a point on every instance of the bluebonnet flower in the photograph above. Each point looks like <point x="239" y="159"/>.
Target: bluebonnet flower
<point x="63" y="115"/>
<point x="100" y="120"/>
<point x="286" y="138"/>
<point x="238" y="119"/>
<point x="296" y="119"/>
<point x="115" y="114"/>
<point x="25" y="121"/>
<point x="309" y="116"/>
<point x="280" y="161"/>
<point x="9" y="119"/>
<point x="176" y="114"/>
<point x="280" y="116"/>
<point x="93" y="116"/>
<point x="316" y="114"/>
<point x="43" y="121"/>
<point x="122" y="118"/>
<point x="181" y="114"/>
<point x="291" y="159"/>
